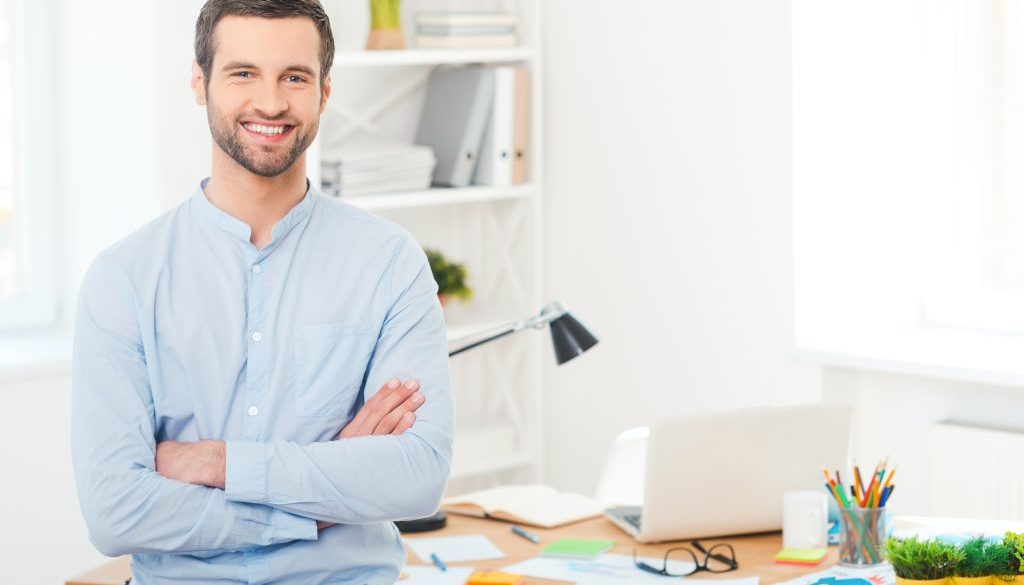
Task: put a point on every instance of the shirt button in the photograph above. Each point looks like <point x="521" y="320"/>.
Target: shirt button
<point x="253" y="411"/>
<point x="256" y="269"/>
<point x="257" y="336"/>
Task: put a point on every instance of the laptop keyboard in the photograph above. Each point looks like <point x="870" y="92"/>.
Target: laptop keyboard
<point x="633" y="520"/>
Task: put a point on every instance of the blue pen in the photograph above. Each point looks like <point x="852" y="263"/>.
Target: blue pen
<point x="887" y="494"/>
<point x="437" y="561"/>
<point x="531" y="537"/>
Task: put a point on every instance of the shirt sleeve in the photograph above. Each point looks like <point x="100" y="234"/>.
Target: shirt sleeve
<point x="375" y="478"/>
<point x="128" y="507"/>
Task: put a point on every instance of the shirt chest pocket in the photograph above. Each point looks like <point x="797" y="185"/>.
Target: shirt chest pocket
<point x="330" y="360"/>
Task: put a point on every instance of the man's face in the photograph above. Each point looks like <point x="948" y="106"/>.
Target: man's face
<point x="263" y="98"/>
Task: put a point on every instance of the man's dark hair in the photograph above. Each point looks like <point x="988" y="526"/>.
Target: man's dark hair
<point x="214" y="10"/>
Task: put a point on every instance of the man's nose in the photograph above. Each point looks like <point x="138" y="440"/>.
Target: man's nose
<point x="269" y="100"/>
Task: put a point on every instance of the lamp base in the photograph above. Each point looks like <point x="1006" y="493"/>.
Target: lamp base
<point x="436" y="521"/>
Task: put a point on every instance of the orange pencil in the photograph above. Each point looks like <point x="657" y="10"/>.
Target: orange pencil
<point x="858" y="483"/>
<point x="889" y="481"/>
<point x="871" y="488"/>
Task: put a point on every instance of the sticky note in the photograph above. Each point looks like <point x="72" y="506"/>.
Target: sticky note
<point x="494" y="578"/>
<point x="577" y="548"/>
<point x="801" y="556"/>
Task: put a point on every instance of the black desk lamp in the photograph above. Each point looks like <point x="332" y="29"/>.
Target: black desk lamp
<point x="569" y="337"/>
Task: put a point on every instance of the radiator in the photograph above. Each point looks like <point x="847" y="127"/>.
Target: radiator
<point x="975" y="472"/>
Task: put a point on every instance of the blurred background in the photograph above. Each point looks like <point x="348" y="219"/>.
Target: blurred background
<point x="750" y="202"/>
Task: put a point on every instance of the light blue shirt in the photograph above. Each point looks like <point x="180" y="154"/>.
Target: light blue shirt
<point x="186" y="331"/>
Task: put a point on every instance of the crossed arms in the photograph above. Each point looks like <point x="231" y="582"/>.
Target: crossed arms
<point x="391" y="411"/>
<point x="138" y="496"/>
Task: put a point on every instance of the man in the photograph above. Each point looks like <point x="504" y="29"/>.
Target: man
<point x="244" y="402"/>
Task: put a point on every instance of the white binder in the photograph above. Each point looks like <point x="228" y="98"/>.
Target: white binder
<point x="496" y="150"/>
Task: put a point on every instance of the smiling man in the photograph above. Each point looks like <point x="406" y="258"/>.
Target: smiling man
<point x="260" y="380"/>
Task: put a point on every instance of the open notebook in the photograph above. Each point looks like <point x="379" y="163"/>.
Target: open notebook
<point x="536" y="505"/>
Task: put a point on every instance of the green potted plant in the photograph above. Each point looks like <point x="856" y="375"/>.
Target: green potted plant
<point x="450" y="277"/>
<point x="385" y="25"/>
<point x="1014" y="570"/>
<point x="982" y="560"/>
<point x="921" y="562"/>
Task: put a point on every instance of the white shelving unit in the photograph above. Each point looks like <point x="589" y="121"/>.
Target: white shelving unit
<point x="495" y="231"/>
<point x="435" y="197"/>
<point x="349" y="59"/>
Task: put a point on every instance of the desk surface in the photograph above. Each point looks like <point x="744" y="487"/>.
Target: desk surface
<point x="754" y="553"/>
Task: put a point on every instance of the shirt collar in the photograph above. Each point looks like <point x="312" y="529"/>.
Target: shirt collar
<point x="241" y="230"/>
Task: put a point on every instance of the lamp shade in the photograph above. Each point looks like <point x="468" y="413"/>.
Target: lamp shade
<point x="570" y="338"/>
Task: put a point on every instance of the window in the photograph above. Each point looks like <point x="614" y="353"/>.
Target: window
<point x="908" y="149"/>
<point x="27" y="277"/>
<point x="9" y="273"/>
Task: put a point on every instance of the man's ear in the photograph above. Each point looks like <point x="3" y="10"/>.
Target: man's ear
<point x="198" y="83"/>
<point x="326" y="93"/>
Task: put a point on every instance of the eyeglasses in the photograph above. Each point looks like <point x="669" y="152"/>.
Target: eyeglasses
<point x="720" y="558"/>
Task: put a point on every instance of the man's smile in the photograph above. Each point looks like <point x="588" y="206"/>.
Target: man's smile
<point x="267" y="132"/>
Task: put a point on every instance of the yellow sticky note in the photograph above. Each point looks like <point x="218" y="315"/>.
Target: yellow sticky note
<point x="494" y="578"/>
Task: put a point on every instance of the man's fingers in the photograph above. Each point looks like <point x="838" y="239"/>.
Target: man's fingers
<point x="371" y="416"/>
<point x="390" y="421"/>
<point x="391" y="401"/>
<point x="365" y="420"/>
<point x="405" y="423"/>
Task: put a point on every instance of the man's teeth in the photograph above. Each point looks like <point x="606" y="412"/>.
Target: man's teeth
<point x="265" y="129"/>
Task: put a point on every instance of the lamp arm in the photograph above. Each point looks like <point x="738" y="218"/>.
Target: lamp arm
<point x="508" y="331"/>
<point x="546" y="316"/>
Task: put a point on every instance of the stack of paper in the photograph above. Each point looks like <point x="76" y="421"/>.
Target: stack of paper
<point x="466" y="29"/>
<point x="367" y="166"/>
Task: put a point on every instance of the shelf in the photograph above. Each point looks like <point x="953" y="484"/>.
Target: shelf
<point x="352" y="59"/>
<point x="440" y="196"/>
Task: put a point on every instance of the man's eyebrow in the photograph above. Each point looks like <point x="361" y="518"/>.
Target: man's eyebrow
<point x="238" y="65"/>
<point x="301" y="69"/>
<point x="293" y="68"/>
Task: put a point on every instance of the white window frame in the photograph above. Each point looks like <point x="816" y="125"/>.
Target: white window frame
<point x="897" y="210"/>
<point x="36" y="308"/>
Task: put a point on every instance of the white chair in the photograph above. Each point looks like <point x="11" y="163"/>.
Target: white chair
<point x="622" y="477"/>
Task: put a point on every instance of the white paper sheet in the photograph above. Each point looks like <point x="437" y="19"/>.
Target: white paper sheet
<point x="453" y="549"/>
<point x="433" y="576"/>
<point x="608" y="569"/>
<point x="880" y="575"/>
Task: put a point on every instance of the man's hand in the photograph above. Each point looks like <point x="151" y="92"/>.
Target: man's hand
<point x="391" y="411"/>
<point x="201" y="463"/>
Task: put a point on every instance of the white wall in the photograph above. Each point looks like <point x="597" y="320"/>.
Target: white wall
<point x="125" y="110"/>
<point x="669" y="215"/>
<point x="894" y="413"/>
<point x="44" y="539"/>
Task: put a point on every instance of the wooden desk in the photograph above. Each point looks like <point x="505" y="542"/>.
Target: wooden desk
<point x="754" y="553"/>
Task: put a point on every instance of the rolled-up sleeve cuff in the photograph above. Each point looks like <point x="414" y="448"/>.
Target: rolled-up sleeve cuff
<point x="289" y="527"/>
<point x="245" y="472"/>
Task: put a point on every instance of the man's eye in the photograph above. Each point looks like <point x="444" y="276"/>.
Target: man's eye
<point x="295" y="79"/>
<point x="243" y="74"/>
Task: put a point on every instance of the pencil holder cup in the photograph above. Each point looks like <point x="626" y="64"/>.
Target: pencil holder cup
<point x="861" y="536"/>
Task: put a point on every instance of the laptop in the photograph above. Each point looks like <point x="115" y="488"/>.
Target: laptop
<point x="724" y="474"/>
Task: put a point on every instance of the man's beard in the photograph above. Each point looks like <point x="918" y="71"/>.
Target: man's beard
<point x="264" y="160"/>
